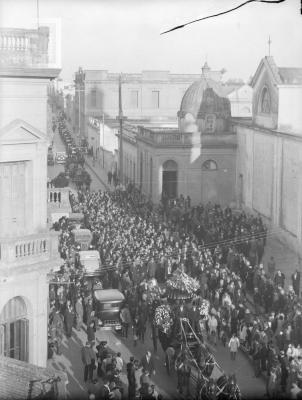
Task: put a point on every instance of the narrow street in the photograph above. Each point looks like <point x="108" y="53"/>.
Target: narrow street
<point x="70" y="361"/>
<point x="54" y="170"/>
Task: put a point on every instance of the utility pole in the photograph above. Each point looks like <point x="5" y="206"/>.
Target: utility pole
<point x="121" y="118"/>
<point x="269" y="45"/>
<point x="103" y="140"/>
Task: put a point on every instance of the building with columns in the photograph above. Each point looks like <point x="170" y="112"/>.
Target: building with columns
<point x="28" y="250"/>
<point x="149" y="95"/>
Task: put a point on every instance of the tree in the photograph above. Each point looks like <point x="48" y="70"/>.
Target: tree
<point x="60" y="181"/>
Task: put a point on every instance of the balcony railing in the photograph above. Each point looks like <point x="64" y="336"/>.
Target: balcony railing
<point x="58" y="197"/>
<point x="24" y="47"/>
<point x="28" y="249"/>
<point x="165" y="137"/>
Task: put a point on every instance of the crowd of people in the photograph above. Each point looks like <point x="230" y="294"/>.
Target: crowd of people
<point x="222" y="249"/>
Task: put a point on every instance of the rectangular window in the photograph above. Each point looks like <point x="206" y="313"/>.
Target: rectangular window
<point x="210" y="124"/>
<point x="134" y="99"/>
<point x="93" y="98"/>
<point x="155" y="98"/>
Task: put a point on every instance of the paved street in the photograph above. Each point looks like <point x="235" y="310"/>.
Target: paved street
<point x="250" y="386"/>
<point x="54" y="170"/>
<point x="70" y="360"/>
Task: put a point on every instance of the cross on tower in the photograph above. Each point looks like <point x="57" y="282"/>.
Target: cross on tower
<point x="269" y="45"/>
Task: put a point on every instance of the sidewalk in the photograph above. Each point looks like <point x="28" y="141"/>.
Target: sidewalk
<point x="286" y="259"/>
<point x="100" y="173"/>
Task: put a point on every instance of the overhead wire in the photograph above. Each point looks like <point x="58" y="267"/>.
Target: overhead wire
<point x="211" y="245"/>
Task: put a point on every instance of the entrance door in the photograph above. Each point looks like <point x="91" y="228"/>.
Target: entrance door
<point x="170" y="184"/>
<point x="170" y="179"/>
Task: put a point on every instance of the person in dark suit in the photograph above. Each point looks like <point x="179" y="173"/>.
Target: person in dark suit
<point x="69" y="318"/>
<point x="104" y="392"/>
<point x="131" y="378"/>
<point x="296" y="282"/>
<point x="279" y="279"/>
<point x="88" y="360"/>
<point x="147" y="363"/>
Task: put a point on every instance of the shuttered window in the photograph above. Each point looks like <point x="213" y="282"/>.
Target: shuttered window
<point x="14" y="330"/>
<point x="13" y="197"/>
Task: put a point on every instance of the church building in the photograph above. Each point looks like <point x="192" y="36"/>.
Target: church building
<point x="269" y="153"/>
<point x="196" y="159"/>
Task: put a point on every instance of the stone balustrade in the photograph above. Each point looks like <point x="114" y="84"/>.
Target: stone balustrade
<point x="58" y="197"/>
<point x="24" y="47"/>
<point x="28" y="249"/>
<point x="165" y="137"/>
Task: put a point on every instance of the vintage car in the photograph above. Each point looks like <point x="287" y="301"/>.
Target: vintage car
<point x="61" y="157"/>
<point x="91" y="262"/>
<point x="76" y="219"/>
<point x="108" y="303"/>
<point x="83" y="237"/>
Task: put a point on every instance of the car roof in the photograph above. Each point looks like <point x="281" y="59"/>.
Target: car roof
<point x="109" y="295"/>
<point x="89" y="254"/>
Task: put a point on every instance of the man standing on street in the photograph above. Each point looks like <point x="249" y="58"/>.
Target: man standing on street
<point x="296" y="282"/>
<point x="88" y="360"/>
<point x="212" y="324"/>
<point x="279" y="279"/>
<point x="234" y="345"/>
<point x="147" y="363"/>
<point x="79" y="313"/>
<point x="271" y="267"/>
<point x="131" y="378"/>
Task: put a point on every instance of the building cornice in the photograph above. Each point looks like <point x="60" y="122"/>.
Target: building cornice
<point x="272" y="132"/>
<point x="29" y="72"/>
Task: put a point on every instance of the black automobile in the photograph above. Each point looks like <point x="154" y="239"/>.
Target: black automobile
<point x="108" y="303"/>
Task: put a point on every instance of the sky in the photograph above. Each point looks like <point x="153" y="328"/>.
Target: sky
<point x="124" y="35"/>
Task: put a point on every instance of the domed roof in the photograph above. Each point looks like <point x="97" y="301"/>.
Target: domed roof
<point x="192" y="98"/>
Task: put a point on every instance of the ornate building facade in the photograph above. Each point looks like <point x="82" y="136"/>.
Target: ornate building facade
<point x="149" y="95"/>
<point x="196" y="158"/>
<point x="28" y="251"/>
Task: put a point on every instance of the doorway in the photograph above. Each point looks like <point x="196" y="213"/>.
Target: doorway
<point x="170" y="176"/>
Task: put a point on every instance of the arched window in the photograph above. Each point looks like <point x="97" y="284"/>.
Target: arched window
<point x="265" y="101"/>
<point x="14" y="330"/>
<point x="209" y="165"/>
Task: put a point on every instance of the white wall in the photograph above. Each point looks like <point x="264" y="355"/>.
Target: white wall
<point x="271" y="165"/>
<point x="290" y="109"/>
<point x="33" y="288"/>
<point x="24" y="98"/>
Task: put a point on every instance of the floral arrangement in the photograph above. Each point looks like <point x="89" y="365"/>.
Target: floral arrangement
<point x="153" y="291"/>
<point x="204" y="308"/>
<point x="181" y="285"/>
<point x="163" y="317"/>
